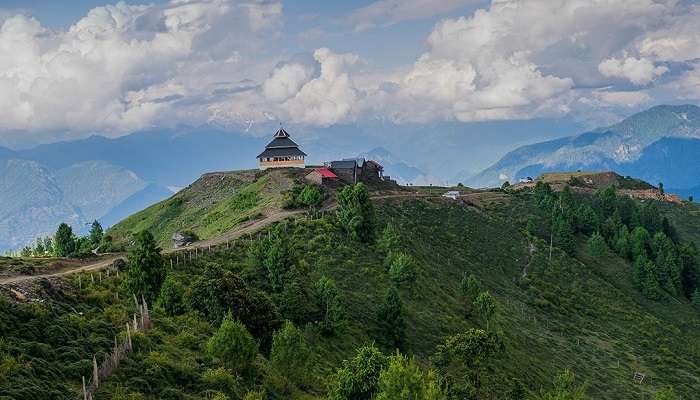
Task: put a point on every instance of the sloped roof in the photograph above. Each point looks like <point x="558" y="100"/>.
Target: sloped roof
<point x="326" y="173"/>
<point x="345" y="164"/>
<point x="282" y="152"/>
<point x="281" y="146"/>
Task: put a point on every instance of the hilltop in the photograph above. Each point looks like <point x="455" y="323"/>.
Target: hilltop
<point x="660" y="144"/>
<point x="576" y="309"/>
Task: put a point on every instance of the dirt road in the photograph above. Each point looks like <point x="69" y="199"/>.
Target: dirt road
<point x="237" y="232"/>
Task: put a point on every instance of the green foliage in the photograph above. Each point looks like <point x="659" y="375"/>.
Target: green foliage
<point x="645" y="278"/>
<point x="146" y="270"/>
<point x="564" y="388"/>
<point x="666" y="394"/>
<point x="563" y="232"/>
<point x="402" y="268"/>
<point x="463" y="359"/>
<point x="389" y="240"/>
<point x="596" y="245"/>
<point x="470" y="287"/>
<point x="64" y="242"/>
<point x="485" y="305"/>
<point x="311" y="196"/>
<point x="290" y="354"/>
<point x="171" y="298"/>
<point x="217" y="292"/>
<point x="96" y="233"/>
<point x="505" y="185"/>
<point x="402" y="378"/>
<point x="358" y="378"/>
<point x="233" y="345"/>
<point x="391" y="315"/>
<point x="516" y="390"/>
<point x="696" y="299"/>
<point x="328" y="300"/>
<point x="356" y="213"/>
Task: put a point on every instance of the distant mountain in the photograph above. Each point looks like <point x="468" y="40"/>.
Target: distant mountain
<point x="168" y="157"/>
<point x="398" y="169"/>
<point x="94" y="187"/>
<point x="661" y="144"/>
<point x="108" y="179"/>
<point x="31" y="203"/>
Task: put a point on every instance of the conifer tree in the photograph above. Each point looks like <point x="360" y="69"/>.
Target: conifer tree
<point x="391" y="315"/>
<point x="233" y="345"/>
<point x="146" y="270"/>
<point x="64" y="243"/>
<point x="96" y="233"/>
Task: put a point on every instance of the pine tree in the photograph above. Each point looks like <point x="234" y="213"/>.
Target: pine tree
<point x="356" y="212"/>
<point x="96" y="234"/>
<point x="389" y="240"/>
<point x="485" y="305"/>
<point x="233" y="345"/>
<point x="171" y="298"/>
<point x="290" y="354"/>
<point x="146" y="270"/>
<point x="596" y="245"/>
<point x="328" y="302"/>
<point x="64" y="242"/>
<point x="391" y="315"/>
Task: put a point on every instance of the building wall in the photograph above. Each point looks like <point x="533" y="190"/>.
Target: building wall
<point x="314" y="177"/>
<point x="346" y="175"/>
<point x="282" y="164"/>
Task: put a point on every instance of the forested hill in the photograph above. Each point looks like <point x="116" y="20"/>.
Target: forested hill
<point x="530" y="294"/>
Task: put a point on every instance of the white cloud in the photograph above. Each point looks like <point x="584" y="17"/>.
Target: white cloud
<point x="636" y="70"/>
<point x="329" y="98"/>
<point x="123" y="67"/>
<point x="389" y="12"/>
<point x="105" y="72"/>
<point x="623" y="99"/>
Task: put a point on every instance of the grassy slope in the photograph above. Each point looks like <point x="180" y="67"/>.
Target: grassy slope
<point x="579" y="313"/>
<point x="210" y="206"/>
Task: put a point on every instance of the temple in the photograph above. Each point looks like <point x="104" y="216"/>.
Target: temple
<point x="282" y="152"/>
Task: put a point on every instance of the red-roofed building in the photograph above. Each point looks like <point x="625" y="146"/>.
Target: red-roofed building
<point x="321" y="176"/>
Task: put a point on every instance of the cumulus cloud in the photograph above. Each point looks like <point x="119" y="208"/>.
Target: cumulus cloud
<point x="639" y="71"/>
<point x="124" y="67"/>
<point x="114" y="69"/>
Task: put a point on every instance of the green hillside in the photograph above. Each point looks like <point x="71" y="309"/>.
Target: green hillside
<point x="578" y="309"/>
<point x="212" y="205"/>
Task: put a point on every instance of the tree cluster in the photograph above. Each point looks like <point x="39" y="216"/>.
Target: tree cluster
<point x="636" y="232"/>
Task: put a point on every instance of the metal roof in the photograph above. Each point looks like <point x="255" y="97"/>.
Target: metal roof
<point x="281" y="152"/>
<point x="345" y="164"/>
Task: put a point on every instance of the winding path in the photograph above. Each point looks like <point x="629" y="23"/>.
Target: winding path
<point x="235" y="233"/>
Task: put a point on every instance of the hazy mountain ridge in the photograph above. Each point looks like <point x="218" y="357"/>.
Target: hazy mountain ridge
<point x="641" y="145"/>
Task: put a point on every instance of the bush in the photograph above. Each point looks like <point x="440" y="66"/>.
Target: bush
<point x="403" y="379"/>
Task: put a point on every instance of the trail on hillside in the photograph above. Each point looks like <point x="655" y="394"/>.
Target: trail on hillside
<point x="235" y="233"/>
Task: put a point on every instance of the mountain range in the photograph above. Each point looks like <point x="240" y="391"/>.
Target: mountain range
<point x="661" y="144"/>
<point x="109" y="179"/>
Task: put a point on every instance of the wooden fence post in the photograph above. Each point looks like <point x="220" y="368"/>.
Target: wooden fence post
<point x="95" y="374"/>
<point x="84" y="391"/>
<point x="128" y="337"/>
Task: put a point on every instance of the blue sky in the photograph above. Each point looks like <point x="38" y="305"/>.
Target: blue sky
<point x="72" y="69"/>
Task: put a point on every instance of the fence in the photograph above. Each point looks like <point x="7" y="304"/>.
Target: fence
<point x="119" y="352"/>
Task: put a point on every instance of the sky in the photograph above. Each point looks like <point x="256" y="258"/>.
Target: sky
<point x="71" y="69"/>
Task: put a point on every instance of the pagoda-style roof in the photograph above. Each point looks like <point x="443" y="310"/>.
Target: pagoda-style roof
<point x="281" y="146"/>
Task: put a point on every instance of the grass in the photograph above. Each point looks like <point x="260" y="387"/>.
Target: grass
<point x="212" y="205"/>
<point x="579" y="312"/>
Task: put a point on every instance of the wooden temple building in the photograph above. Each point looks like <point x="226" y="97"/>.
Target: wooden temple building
<point x="282" y="152"/>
